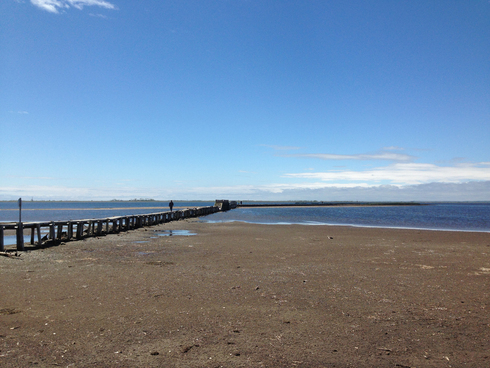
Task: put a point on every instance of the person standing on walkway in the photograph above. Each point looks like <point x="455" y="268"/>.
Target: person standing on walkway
<point x="171" y="205"/>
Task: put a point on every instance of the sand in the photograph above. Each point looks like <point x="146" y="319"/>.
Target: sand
<point x="243" y="295"/>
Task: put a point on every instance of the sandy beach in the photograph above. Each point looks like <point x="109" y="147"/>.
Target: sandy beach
<point x="244" y="295"/>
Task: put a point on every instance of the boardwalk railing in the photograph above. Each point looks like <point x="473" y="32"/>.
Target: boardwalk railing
<point x="79" y="229"/>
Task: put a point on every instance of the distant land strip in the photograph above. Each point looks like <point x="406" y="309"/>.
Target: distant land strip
<point x="332" y="204"/>
<point x="89" y="208"/>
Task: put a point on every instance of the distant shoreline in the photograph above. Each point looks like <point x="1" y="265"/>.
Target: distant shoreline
<point x="340" y="204"/>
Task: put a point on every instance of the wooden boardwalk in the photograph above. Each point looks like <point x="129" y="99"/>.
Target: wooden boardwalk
<point x="58" y="231"/>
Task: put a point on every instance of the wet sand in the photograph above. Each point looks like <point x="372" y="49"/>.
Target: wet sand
<point x="244" y="295"/>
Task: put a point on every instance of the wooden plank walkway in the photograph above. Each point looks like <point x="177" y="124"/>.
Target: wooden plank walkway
<point x="58" y="231"/>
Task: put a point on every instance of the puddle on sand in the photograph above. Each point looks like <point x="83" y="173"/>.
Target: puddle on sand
<point x="174" y="233"/>
<point x="166" y="233"/>
<point x="144" y="253"/>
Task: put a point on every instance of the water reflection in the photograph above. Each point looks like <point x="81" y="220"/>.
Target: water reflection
<point x="174" y="233"/>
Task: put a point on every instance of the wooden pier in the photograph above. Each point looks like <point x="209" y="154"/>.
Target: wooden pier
<point x="58" y="231"/>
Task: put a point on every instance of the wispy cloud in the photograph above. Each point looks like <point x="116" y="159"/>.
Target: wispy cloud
<point x="464" y="191"/>
<point x="98" y="15"/>
<point x="403" y="174"/>
<point x="468" y="191"/>
<point x="62" y="192"/>
<point x="386" y="156"/>
<point x="31" y="177"/>
<point x="393" y="148"/>
<point x="19" y="112"/>
<point x="54" y="6"/>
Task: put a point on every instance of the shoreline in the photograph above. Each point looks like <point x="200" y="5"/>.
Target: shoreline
<point x="346" y="225"/>
<point x="249" y="295"/>
<point x="11" y="234"/>
<point x="91" y="208"/>
<point x="341" y="204"/>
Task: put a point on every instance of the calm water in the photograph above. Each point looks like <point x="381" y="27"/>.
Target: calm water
<point x="63" y="211"/>
<point x="441" y="216"/>
<point x="449" y="216"/>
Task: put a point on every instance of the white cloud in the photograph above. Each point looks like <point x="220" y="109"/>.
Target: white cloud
<point x="393" y="148"/>
<point x="404" y="174"/>
<point x="31" y="177"/>
<point x="469" y="191"/>
<point x="49" y="5"/>
<point x="466" y="191"/>
<point x="386" y="156"/>
<point x="79" y="4"/>
<point x="19" y="112"/>
<point x="98" y="15"/>
<point x="54" y="6"/>
<point x="59" y="192"/>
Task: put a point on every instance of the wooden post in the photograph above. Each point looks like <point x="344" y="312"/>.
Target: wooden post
<point x="2" y="247"/>
<point x="70" y="230"/>
<point x="20" y="209"/>
<point x="60" y="231"/>
<point x="33" y="232"/>
<point x="20" y="237"/>
<point x="20" y="228"/>
<point x="79" y="230"/>
<point x="51" y="231"/>
<point x="38" y="228"/>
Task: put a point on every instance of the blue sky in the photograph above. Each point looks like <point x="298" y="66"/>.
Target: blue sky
<point x="245" y="99"/>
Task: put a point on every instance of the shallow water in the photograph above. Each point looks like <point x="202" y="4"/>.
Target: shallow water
<point x="441" y="216"/>
<point x="174" y="233"/>
<point x="12" y="239"/>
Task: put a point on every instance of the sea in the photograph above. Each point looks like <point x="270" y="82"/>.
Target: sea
<point x="427" y="216"/>
<point x="34" y="211"/>
<point x="37" y="211"/>
<point x="474" y="217"/>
